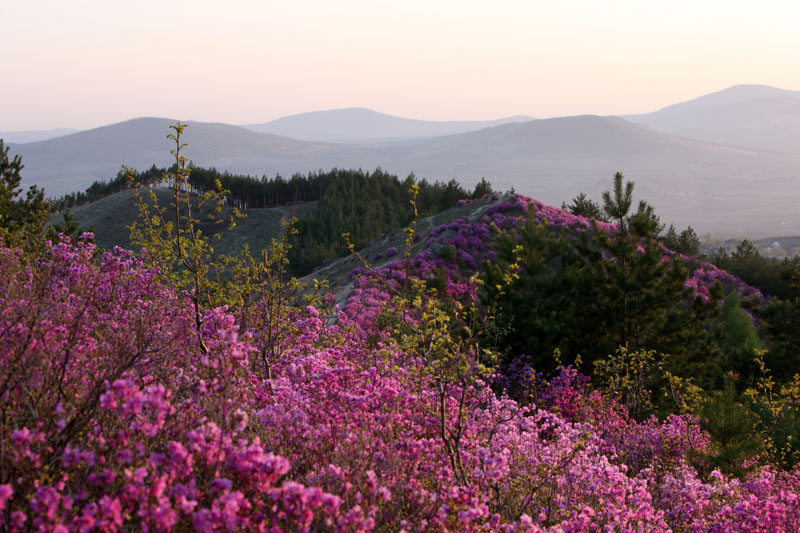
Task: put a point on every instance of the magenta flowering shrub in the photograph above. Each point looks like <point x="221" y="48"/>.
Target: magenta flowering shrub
<point x="113" y="418"/>
<point x="112" y="415"/>
<point x="471" y="241"/>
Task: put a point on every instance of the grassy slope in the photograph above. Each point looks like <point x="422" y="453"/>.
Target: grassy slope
<point x="337" y="272"/>
<point x="111" y="217"/>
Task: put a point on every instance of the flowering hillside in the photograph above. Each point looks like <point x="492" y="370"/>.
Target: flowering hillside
<point x="116" y="413"/>
<point x="471" y="240"/>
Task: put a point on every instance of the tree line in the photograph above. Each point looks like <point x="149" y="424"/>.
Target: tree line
<point x="365" y="205"/>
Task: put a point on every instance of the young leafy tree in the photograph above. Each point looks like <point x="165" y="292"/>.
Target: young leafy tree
<point x="176" y="246"/>
<point x="260" y="293"/>
<point x="443" y="335"/>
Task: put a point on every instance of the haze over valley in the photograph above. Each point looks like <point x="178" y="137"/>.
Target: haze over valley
<point x="726" y="163"/>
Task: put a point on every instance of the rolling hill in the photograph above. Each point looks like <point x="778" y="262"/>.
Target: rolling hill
<point x="756" y="116"/>
<point x="109" y="218"/>
<point x="716" y="188"/>
<point x="29" y="136"/>
<point x="73" y="162"/>
<point x="360" y="125"/>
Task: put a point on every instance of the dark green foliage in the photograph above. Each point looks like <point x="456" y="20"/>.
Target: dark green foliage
<point x="243" y="191"/>
<point x="771" y="276"/>
<point x="539" y="310"/>
<point x="102" y="189"/>
<point x="617" y="203"/>
<point x="642" y="303"/>
<point x="781" y="322"/>
<point x="644" y="222"/>
<point x="591" y="294"/>
<point x="247" y="192"/>
<point x="595" y="292"/>
<point x="687" y="243"/>
<point x="360" y="203"/>
<point x="22" y="219"/>
<point x="584" y="206"/>
<point x="731" y="423"/>
<point x="671" y="239"/>
<point x="737" y="337"/>
<point x="481" y="189"/>
<point x="67" y="226"/>
<point x="365" y="206"/>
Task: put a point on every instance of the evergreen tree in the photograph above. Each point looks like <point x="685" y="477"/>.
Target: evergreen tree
<point x="21" y="219"/>
<point x="537" y="309"/>
<point x="584" y="206"/>
<point x="67" y="226"/>
<point x="592" y="294"/>
<point x="738" y="337"/>
<point x="671" y="240"/>
<point x="617" y="203"/>
<point x="482" y="189"/>
<point x="644" y="222"/>
<point x="689" y="242"/>
<point x="781" y="322"/>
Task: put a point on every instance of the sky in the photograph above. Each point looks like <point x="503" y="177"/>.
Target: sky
<point x="85" y="63"/>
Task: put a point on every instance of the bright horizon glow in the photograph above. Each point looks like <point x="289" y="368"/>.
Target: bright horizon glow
<point x="86" y="63"/>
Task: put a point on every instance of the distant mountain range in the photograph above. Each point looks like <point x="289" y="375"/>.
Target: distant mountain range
<point x="29" y="136"/>
<point x="756" y="116"/>
<point x="360" y="125"/>
<point x="710" y="182"/>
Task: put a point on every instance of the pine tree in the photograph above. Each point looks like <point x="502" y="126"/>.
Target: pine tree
<point x="688" y="242"/>
<point x="21" y="219"/>
<point x="618" y="205"/>
<point x="584" y="206"/>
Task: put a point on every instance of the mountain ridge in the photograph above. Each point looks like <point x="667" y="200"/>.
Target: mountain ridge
<point x="756" y="116"/>
<point x="360" y="125"/>
<point x="706" y="185"/>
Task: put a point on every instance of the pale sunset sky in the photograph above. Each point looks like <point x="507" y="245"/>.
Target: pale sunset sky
<point x="86" y="63"/>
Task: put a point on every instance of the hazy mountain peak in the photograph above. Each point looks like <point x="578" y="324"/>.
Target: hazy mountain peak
<point x="359" y="124"/>
<point x="754" y="116"/>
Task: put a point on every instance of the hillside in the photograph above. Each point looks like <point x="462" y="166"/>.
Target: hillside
<point x="776" y="246"/>
<point x="359" y="125"/>
<point x="407" y="406"/>
<point x="714" y="188"/>
<point x="28" y="136"/>
<point x="754" y="116"/>
<point x="111" y="217"/>
<point x="73" y="162"/>
<point x="363" y="204"/>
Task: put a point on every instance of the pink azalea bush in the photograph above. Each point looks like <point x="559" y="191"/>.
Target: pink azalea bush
<point x="113" y="416"/>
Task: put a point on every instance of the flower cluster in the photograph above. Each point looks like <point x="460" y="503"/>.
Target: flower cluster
<point x="115" y="416"/>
